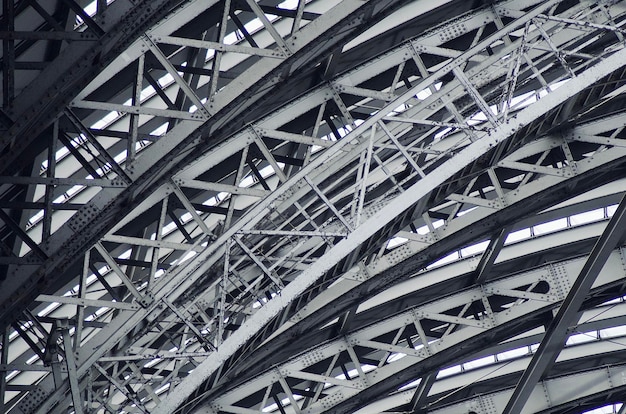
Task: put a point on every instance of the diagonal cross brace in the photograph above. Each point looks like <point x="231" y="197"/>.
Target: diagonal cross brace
<point x="557" y="332"/>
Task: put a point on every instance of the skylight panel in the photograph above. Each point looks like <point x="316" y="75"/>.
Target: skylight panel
<point x="607" y="409"/>
<point x="581" y="338"/>
<point x="474" y="248"/>
<point x="550" y="226"/>
<point x="480" y="362"/>
<point x="449" y="371"/>
<point x="587" y="217"/>
<point x="518" y="235"/>
<point x="612" y="332"/>
<point x="512" y="353"/>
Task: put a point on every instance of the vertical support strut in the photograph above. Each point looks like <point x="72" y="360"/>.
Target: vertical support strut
<point x="50" y="173"/>
<point x="134" y="118"/>
<point x="82" y="293"/>
<point x="8" y="55"/>
<point x="419" y="397"/>
<point x="70" y="360"/>
<point x="489" y="256"/>
<point x="4" y="359"/>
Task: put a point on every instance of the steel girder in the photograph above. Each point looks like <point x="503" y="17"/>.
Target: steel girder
<point x="52" y="50"/>
<point x="402" y="347"/>
<point x="120" y="183"/>
<point x="578" y="391"/>
<point x="557" y="333"/>
<point x="309" y="209"/>
<point x="357" y="18"/>
<point x="588" y="390"/>
<point x="420" y="254"/>
<point x="336" y="292"/>
<point x="472" y="388"/>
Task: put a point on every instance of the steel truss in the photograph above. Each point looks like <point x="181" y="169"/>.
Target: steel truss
<point x="244" y="222"/>
<point x="410" y="344"/>
<point x="51" y="50"/>
<point x="100" y="176"/>
<point x="589" y="384"/>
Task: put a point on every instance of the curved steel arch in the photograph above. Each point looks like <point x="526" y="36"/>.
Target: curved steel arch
<point x="108" y="199"/>
<point x="364" y="15"/>
<point x="522" y="305"/>
<point x="471" y="383"/>
<point x="361" y="287"/>
<point x="247" y="368"/>
<point x="112" y="184"/>
<point x="362" y="234"/>
<point x="322" y="216"/>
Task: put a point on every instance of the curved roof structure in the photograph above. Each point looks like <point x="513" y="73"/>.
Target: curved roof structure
<point x="307" y="206"/>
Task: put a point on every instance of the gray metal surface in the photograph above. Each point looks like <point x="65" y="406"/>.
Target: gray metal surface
<point x="234" y="208"/>
<point x="554" y="339"/>
<point x="396" y="353"/>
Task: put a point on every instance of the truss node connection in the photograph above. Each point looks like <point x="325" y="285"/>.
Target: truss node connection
<point x="308" y="206"/>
